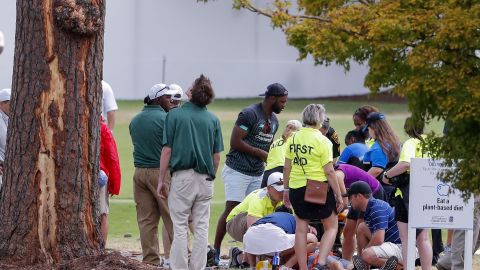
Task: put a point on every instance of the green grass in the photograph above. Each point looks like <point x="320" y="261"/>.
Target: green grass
<point x="122" y="207"/>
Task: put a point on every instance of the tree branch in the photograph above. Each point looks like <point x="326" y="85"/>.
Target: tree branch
<point x="266" y="13"/>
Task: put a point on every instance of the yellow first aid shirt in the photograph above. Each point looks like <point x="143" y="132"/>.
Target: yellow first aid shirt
<point x="256" y="204"/>
<point x="276" y="154"/>
<point x="313" y="152"/>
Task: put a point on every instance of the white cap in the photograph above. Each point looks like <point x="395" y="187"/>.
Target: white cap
<point x="276" y="181"/>
<point x="179" y="90"/>
<point x="5" y="94"/>
<point x="159" y="90"/>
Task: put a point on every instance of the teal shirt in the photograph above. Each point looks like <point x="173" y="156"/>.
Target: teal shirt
<point x="194" y="135"/>
<point x="146" y="131"/>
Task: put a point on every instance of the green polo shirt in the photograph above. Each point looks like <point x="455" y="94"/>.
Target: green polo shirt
<point x="194" y="134"/>
<point x="146" y="131"/>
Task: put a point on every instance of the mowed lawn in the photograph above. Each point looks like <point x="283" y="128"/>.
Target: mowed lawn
<point x="122" y="208"/>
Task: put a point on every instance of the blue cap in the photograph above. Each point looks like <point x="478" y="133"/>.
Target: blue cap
<point x="371" y="118"/>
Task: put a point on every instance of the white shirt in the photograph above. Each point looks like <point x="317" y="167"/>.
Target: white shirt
<point x="108" y="100"/>
<point x="3" y="134"/>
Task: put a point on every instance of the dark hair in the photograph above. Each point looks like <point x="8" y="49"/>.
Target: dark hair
<point x="358" y="136"/>
<point x="364" y="111"/>
<point x="147" y="100"/>
<point x="414" y="128"/>
<point x="202" y="91"/>
<point x="283" y="208"/>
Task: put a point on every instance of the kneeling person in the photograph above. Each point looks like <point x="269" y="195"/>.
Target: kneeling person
<point x="378" y="237"/>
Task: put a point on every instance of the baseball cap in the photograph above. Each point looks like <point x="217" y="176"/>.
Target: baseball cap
<point x="179" y="91"/>
<point x="159" y="90"/>
<point x="276" y="90"/>
<point x="276" y="181"/>
<point x="5" y="94"/>
<point x="358" y="187"/>
<point x="371" y="118"/>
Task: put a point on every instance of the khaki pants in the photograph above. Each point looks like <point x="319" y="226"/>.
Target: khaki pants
<point x="190" y="194"/>
<point x="150" y="207"/>
<point x="237" y="226"/>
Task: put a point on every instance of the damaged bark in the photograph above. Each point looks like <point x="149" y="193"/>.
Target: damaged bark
<point x="48" y="208"/>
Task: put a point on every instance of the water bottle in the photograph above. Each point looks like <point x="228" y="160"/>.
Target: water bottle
<point x="276" y="261"/>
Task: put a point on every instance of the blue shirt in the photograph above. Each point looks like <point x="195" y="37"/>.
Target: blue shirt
<point x="381" y="216"/>
<point x="357" y="150"/>
<point x="376" y="157"/>
<point x="283" y="220"/>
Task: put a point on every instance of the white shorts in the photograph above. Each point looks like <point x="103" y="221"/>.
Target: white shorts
<point x="239" y="185"/>
<point x="103" y="200"/>
<point x="266" y="239"/>
<point x="388" y="249"/>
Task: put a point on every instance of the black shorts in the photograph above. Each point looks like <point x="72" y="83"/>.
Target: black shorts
<point x="354" y="214"/>
<point x="307" y="210"/>
<point x="401" y="211"/>
<point x="267" y="173"/>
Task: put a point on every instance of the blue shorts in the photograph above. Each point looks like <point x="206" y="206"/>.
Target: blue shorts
<point x="239" y="185"/>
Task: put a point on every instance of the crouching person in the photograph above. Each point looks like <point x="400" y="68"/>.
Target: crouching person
<point x="378" y="238"/>
<point x="256" y="205"/>
<point x="279" y="226"/>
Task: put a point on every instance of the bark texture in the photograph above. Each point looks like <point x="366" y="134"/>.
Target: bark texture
<point x="48" y="209"/>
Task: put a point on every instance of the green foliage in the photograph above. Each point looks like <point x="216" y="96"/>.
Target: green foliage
<point x="424" y="50"/>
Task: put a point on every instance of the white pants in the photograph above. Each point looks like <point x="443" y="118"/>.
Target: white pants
<point x="190" y="194"/>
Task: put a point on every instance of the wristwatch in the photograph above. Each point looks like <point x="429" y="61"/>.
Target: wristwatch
<point x="386" y="176"/>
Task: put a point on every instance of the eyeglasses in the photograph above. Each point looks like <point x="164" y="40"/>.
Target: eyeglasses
<point x="266" y="127"/>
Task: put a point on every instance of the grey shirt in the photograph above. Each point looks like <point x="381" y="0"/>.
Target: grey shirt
<point x="260" y="133"/>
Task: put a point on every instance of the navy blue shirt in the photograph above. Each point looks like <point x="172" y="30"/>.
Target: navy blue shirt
<point x="283" y="220"/>
<point x="381" y="216"/>
<point x="357" y="150"/>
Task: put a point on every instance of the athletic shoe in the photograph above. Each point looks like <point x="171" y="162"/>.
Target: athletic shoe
<point x="359" y="263"/>
<point x="233" y="262"/>
<point x="390" y="264"/>
<point x="211" y="257"/>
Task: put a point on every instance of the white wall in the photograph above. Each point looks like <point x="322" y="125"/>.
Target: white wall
<point x="238" y="50"/>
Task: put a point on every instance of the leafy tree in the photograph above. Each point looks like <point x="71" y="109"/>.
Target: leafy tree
<point x="424" y="50"/>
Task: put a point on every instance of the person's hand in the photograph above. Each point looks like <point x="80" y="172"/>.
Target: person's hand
<point x="263" y="154"/>
<point x="162" y="190"/>
<point x="345" y="202"/>
<point x="286" y="199"/>
<point x="312" y="230"/>
<point x="339" y="206"/>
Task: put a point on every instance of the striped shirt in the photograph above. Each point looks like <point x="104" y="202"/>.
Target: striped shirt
<point x="380" y="216"/>
<point x="260" y="132"/>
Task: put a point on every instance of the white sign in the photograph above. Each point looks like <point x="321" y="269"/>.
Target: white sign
<point x="434" y="204"/>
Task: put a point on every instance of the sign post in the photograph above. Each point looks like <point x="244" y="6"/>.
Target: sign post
<point x="434" y="204"/>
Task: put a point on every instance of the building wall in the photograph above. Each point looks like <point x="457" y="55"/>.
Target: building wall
<point x="146" y="40"/>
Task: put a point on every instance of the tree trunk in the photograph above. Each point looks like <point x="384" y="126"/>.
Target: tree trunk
<point x="48" y="209"/>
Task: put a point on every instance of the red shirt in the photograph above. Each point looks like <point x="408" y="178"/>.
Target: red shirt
<point x="109" y="161"/>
